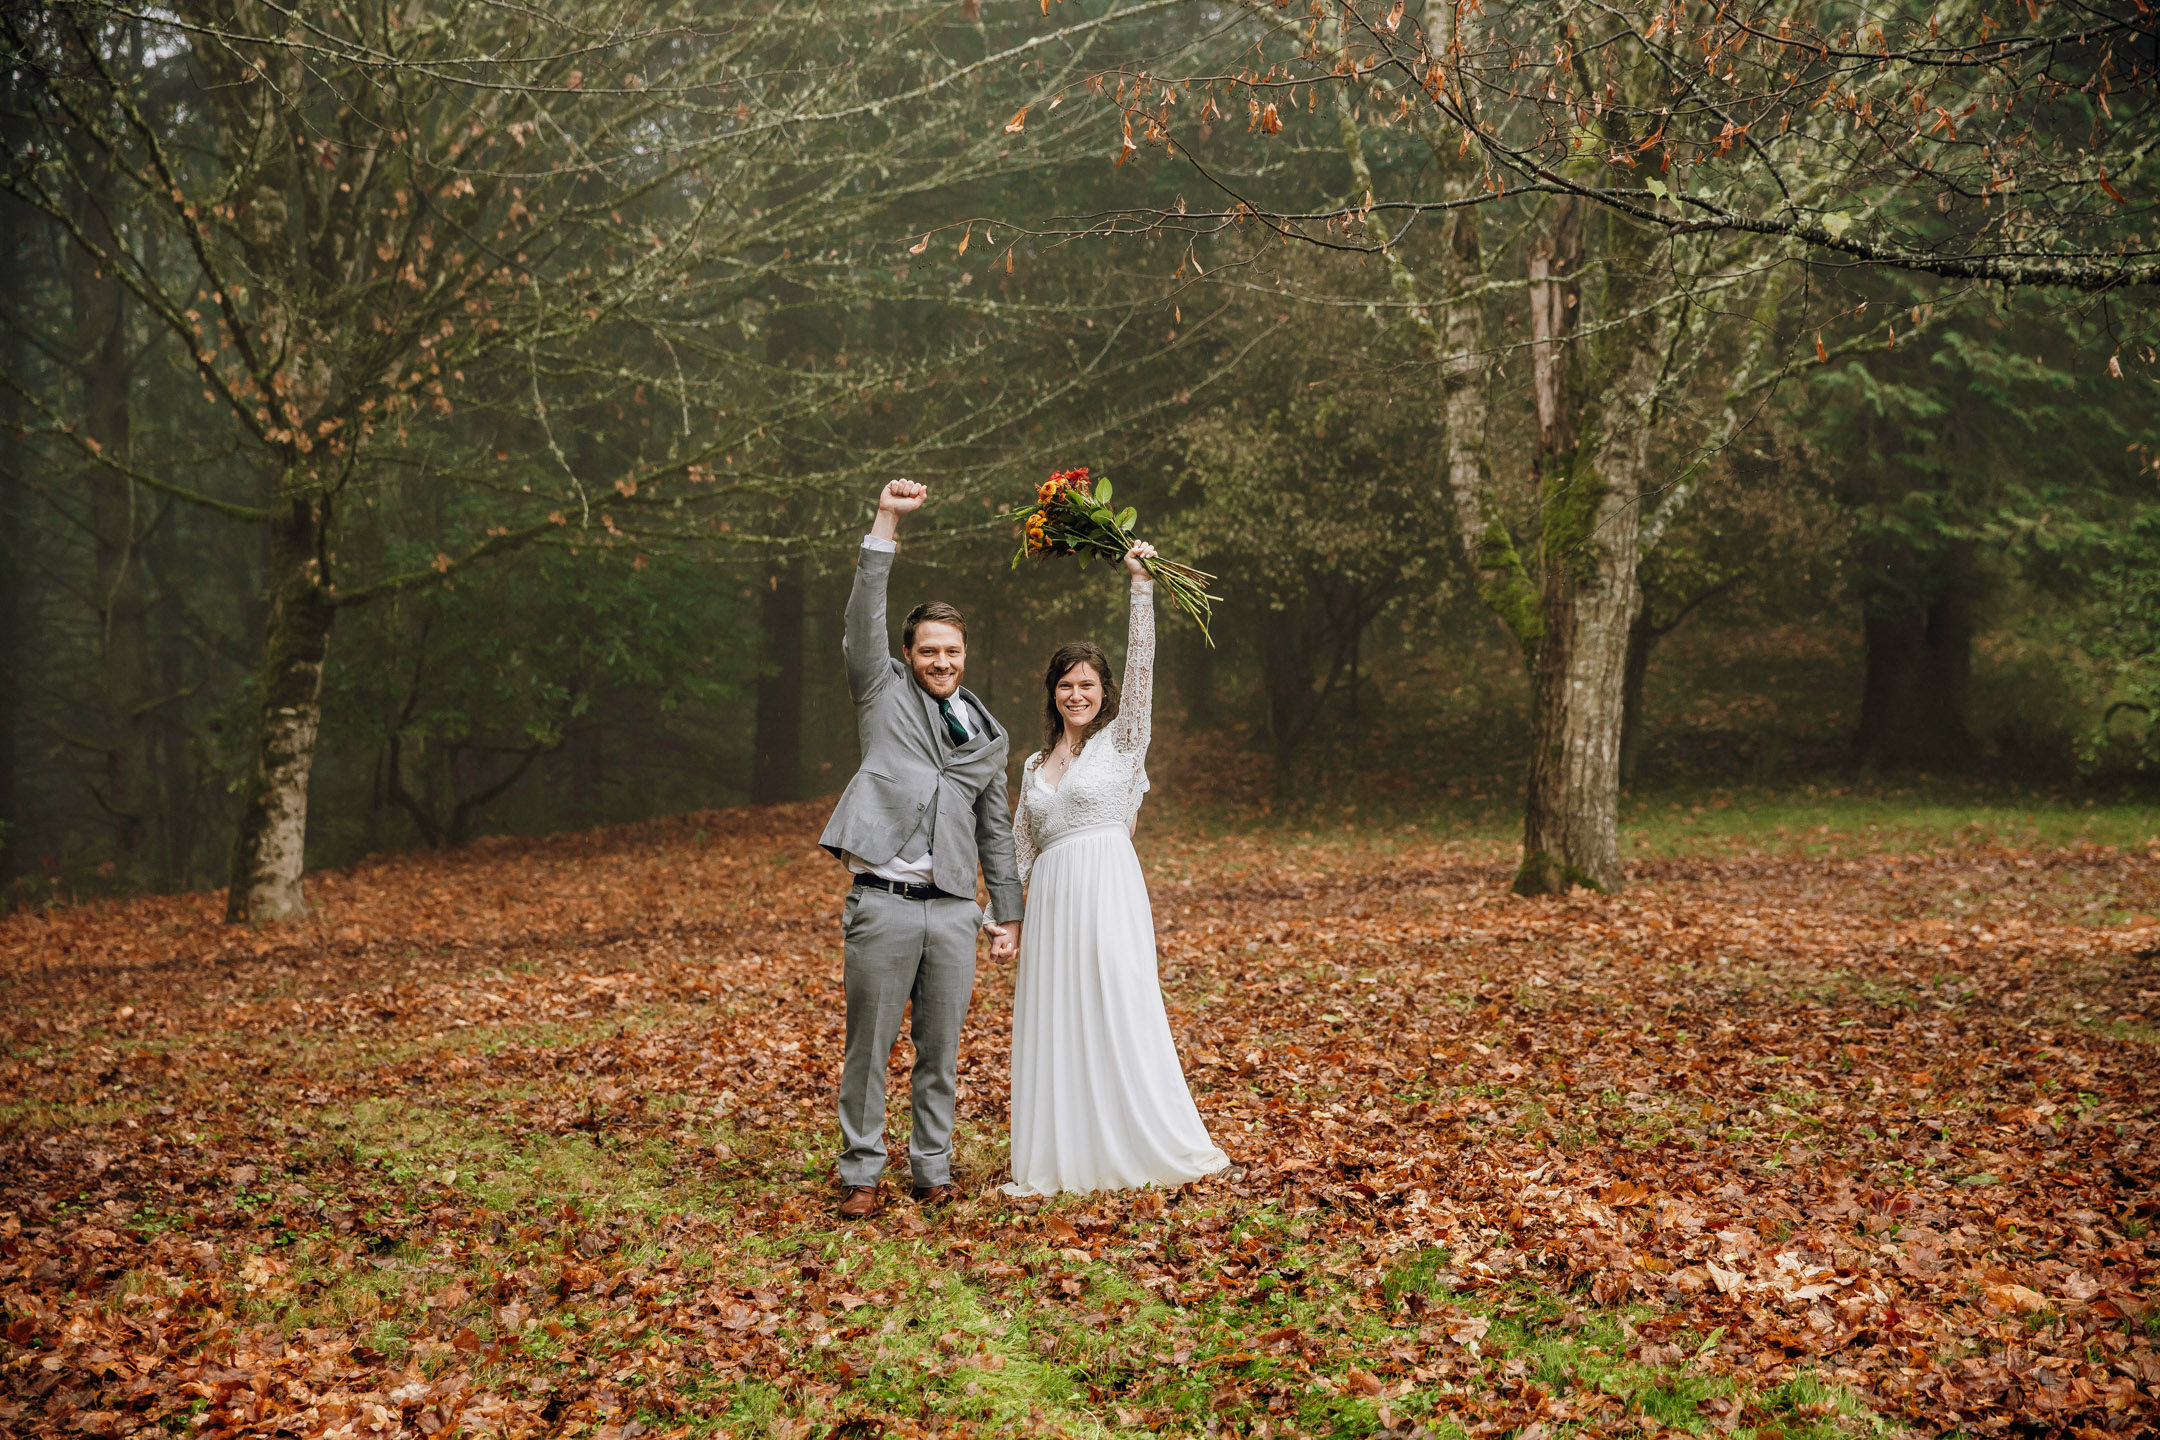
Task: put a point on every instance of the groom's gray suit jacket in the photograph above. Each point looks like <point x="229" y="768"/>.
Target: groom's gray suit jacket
<point x="916" y="790"/>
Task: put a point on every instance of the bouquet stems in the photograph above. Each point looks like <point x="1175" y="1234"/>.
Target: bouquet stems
<point x="1070" y="516"/>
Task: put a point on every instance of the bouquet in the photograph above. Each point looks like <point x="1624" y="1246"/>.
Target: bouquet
<point x="1072" y="516"/>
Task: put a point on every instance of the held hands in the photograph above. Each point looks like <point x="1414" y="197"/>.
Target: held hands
<point x="1141" y="550"/>
<point x="899" y="497"/>
<point x="1005" y="941"/>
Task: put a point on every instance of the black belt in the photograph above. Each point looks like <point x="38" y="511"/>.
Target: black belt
<point x="906" y="890"/>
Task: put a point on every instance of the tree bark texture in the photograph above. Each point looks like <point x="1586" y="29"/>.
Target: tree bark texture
<point x="269" y="848"/>
<point x="776" y="752"/>
<point x="1571" y="819"/>
<point x="1589" y="489"/>
<point x="1503" y="582"/>
<point x="1914" y="704"/>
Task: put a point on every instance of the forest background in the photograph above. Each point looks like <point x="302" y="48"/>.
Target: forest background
<point x="1700" y="453"/>
<point x="430" y="421"/>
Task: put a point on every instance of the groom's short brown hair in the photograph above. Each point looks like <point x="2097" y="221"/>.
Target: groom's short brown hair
<point x="931" y="612"/>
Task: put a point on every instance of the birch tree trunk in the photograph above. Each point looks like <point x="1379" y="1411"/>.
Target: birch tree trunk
<point x="270" y="846"/>
<point x="270" y="843"/>
<point x="1503" y="582"/>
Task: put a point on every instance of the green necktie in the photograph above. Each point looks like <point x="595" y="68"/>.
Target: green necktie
<point x="953" y="727"/>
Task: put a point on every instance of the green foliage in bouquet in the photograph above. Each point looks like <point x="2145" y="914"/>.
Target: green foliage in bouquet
<point x="1072" y="516"/>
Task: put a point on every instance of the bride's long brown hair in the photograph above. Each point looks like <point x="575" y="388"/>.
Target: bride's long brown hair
<point x="1079" y="652"/>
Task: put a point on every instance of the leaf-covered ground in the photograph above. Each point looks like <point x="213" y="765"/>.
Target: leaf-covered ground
<point x="535" y="1138"/>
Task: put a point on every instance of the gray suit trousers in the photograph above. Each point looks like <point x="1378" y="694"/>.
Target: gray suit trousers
<point x="902" y="951"/>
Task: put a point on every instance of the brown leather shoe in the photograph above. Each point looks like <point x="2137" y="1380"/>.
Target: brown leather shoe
<point x="861" y="1203"/>
<point x="933" y="1194"/>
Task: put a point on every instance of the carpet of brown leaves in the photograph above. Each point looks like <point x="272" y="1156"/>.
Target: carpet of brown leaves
<point x="1887" y="1117"/>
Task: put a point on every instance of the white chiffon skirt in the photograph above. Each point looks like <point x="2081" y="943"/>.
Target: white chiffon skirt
<point x="1098" y="1099"/>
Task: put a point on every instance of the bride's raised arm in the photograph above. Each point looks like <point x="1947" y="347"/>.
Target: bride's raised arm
<point x="1136" y="701"/>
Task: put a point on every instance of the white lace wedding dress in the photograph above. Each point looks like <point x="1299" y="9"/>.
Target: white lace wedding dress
<point x="1098" y="1099"/>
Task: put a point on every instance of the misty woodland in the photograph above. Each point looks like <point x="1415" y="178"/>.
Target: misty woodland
<point x="1231" y="718"/>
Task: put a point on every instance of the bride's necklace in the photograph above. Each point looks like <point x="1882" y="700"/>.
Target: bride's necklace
<point x="1060" y="761"/>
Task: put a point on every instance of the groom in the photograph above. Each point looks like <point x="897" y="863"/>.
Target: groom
<point x="926" y="807"/>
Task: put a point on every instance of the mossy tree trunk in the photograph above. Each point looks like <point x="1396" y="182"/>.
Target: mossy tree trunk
<point x="1589" y="462"/>
<point x="1570" y="599"/>
<point x="1571" y="816"/>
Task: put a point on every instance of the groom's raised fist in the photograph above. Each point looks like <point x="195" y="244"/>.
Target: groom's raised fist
<point x="902" y="496"/>
<point x="899" y="497"/>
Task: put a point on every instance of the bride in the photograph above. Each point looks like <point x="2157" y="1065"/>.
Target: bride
<point x="1098" y="1099"/>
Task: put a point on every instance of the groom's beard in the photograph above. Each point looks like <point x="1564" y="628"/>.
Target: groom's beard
<point x="929" y="685"/>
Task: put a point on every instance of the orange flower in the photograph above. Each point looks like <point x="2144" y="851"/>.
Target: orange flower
<point x="1086" y="526"/>
<point x="1060" y="480"/>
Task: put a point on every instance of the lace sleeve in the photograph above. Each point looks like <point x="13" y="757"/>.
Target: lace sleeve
<point x="1023" y="823"/>
<point x="1131" y="729"/>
